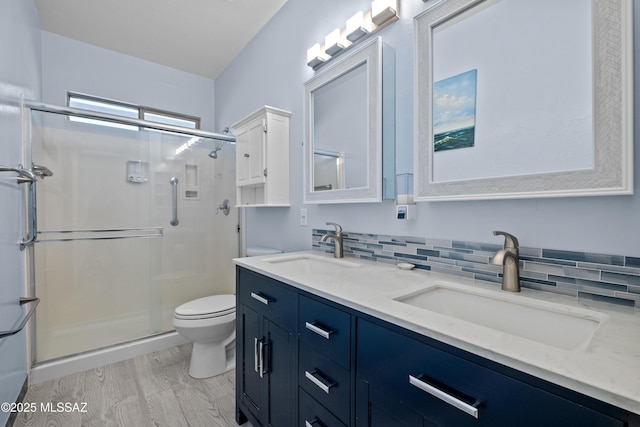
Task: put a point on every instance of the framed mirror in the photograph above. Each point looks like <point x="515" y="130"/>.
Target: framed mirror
<point x="344" y="128"/>
<point x="523" y="99"/>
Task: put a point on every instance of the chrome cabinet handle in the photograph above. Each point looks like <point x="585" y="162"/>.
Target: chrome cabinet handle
<point x="320" y="382"/>
<point x="310" y="423"/>
<point x="318" y="330"/>
<point x="260" y="298"/>
<point x="451" y="400"/>
<point x="256" y="354"/>
<point x="174" y="194"/>
<point x="261" y="352"/>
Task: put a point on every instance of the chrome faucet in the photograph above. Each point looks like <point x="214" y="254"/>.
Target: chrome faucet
<point x="337" y="240"/>
<point x="510" y="260"/>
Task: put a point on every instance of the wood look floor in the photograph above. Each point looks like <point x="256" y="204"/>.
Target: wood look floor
<point x="150" y="390"/>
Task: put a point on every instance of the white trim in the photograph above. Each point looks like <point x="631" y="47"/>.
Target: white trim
<point x="613" y="126"/>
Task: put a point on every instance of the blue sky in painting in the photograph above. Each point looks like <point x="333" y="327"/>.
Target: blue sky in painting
<point x="454" y="102"/>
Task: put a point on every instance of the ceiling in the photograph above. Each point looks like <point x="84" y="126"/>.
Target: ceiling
<point x="197" y="36"/>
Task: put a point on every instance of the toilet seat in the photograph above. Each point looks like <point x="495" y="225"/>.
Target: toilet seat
<point x="207" y="307"/>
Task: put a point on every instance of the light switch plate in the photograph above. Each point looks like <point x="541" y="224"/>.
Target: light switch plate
<point x="303" y="216"/>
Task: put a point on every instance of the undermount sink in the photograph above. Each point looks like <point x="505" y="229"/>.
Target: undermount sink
<point x="309" y="263"/>
<point x="557" y="325"/>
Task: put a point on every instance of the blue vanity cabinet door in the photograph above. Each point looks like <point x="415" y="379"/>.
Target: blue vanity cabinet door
<point x="387" y="360"/>
<point x="250" y="390"/>
<point x="266" y="351"/>
<point x="280" y="379"/>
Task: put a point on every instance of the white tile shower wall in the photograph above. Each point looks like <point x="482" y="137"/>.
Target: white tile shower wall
<point x="610" y="278"/>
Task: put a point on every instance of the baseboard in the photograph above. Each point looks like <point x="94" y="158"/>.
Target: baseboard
<point x="93" y="359"/>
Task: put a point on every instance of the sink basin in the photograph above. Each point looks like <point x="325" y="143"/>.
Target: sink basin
<point x="557" y="325"/>
<point x="310" y="264"/>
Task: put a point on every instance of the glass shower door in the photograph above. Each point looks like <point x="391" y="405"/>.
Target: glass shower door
<point x="109" y="265"/>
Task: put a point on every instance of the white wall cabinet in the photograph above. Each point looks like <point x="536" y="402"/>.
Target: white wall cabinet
<point x="262" y="158"/>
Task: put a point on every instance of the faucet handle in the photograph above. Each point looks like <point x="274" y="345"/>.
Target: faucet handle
<point x="510" y="241"/>
<point x="337" y="226"/>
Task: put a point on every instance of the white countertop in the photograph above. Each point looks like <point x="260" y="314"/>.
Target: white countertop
<point x="608" y="369"/>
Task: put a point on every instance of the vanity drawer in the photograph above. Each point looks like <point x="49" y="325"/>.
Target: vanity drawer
<point x="268" y="297"/>
<point x="449" y="390"/>
<point x="314" y="414"/>
<point x="326" y="329"/>
<point x="326" y="381"/>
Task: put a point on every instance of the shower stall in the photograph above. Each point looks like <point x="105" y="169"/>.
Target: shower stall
<point x="125" y="223"/>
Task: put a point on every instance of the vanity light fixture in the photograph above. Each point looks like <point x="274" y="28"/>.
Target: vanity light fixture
<point x="361" y="24"/>
<point x="358" y="26"/>
<point x="316" y="56"/>
<point x="335" y="43"/>
<point x="383" y="11"/>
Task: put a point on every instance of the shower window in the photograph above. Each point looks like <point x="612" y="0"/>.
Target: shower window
<point x="108" y="106"/>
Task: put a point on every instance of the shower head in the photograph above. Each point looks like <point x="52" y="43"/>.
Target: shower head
<point x="214" y="153"/>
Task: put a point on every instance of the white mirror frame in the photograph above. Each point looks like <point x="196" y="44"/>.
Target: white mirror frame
<point x="369" y="53"/>
<point x="612" y="116"/>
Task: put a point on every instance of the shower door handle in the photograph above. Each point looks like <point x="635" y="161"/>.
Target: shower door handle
<point x="31" y="218"/>
<point x="174" y="195"/>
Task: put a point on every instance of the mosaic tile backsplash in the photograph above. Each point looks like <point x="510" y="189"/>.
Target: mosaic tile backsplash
<point x="609" y="278"/>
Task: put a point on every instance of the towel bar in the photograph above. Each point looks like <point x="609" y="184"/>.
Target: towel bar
<point x="26" y="318"/>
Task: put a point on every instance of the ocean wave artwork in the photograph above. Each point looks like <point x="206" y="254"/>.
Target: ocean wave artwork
<point x="454" y="111"/>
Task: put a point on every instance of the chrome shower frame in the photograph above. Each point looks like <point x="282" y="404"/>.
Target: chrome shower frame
<point x="30" y="175"/>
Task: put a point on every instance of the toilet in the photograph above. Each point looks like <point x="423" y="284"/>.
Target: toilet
<point x="209" y="323"/>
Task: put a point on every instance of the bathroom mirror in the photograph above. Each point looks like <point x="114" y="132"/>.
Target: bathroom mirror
<point x="344" y="128"/>
<point x="523" y="99"/>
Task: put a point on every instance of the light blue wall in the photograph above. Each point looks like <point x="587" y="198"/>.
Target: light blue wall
<point x="20" y="75"/>
<point x="70" y="65"/>
<point x="271" y="70"/>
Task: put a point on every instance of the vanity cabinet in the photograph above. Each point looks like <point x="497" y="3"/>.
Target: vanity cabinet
<point x="262" y="158"/>
<point x="305" y="361"/>
<point x="265" y="351"/>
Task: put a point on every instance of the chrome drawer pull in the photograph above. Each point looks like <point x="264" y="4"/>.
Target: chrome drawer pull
<point x="463" y="406"/>
<point x="318" y="330"/>
<point x="310" y="423"/>
<point x="315" y="378"/>
<point x="260" y="298"/>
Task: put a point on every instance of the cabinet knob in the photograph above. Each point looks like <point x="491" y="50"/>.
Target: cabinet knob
<point x="246" y="154"/>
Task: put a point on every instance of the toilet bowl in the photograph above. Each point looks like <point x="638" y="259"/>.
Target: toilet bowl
<point x="209" y="323"/>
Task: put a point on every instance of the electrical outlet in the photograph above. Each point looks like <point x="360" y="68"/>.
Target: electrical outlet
<point x="303" y="216"/>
